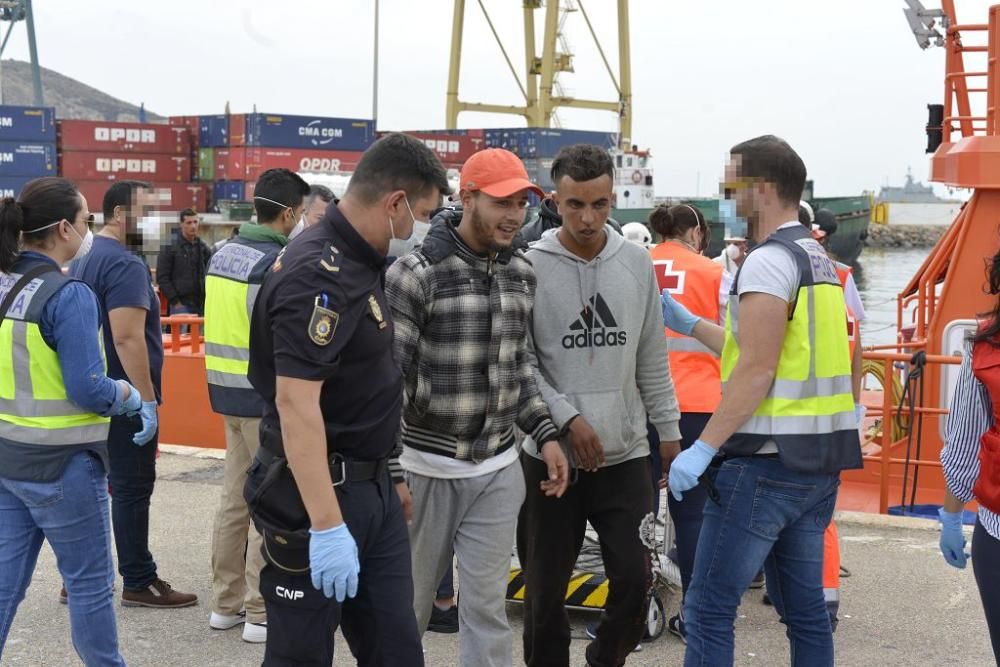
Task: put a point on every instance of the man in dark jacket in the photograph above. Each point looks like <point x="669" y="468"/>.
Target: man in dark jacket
<point x="181" y="268"/>
<point x="548" y="218"/>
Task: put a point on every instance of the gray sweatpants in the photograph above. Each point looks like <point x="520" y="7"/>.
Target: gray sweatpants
<point x="477" y="516"/>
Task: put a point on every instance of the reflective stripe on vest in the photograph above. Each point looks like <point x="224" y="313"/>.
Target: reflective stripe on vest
<point x="34" y="407"/>
<point x="811" y="394"/>
<point x="231" y="289"/>
<point x="694" y="281"/>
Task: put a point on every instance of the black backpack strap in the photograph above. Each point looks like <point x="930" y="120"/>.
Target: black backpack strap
<point x="30" y="275"/>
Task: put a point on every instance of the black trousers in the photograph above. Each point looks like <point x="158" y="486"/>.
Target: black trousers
<point x="378" y="623"/>
<point x="617" y="501"/>
<point x="986" y="567"/>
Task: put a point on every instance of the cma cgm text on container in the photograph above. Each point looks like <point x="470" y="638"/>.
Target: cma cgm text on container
<point x="88" y="135"/>
<point x="247" y="164"/>
<point x="284" y="131"/>
<point x="110" y="166"/>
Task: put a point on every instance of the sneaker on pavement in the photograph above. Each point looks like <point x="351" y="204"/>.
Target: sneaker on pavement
<point x="758" y="581"/>
<point x="63" y="598"/>
<point x="158" y="595"/>
<point x="255" y="633"/>
<point x="444" y="621"/>
<point x="225" y="621"/>
<point x="676" y="627"/>
<point x="592" y="634"/>
<point x="767" y="600"/>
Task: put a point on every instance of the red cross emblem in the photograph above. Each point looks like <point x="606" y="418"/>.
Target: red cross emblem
<point x="668" y="279"/>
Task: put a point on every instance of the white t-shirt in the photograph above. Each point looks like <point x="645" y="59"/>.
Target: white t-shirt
<point x="853" y="298"/>
<point x="770" y="269"/>
<point x="444" y="467"/>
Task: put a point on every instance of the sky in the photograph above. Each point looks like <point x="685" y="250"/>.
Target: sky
<point x="844" y="83"/>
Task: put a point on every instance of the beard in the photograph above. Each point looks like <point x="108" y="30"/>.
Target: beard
<point x="486" y="235"/>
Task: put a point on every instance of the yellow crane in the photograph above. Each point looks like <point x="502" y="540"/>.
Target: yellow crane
<point x="541" y="91"/>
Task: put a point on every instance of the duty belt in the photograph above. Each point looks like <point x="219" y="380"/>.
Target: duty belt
<point x="342" y="469"/>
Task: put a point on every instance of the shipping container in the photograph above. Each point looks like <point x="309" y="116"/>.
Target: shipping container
<point x="111" y="166"/>
<point x="192" y="123"/>
<point x="34" y="124"/>
<point x="229" y="191"/>
<point x="451" y="148"/>
<point x="247" y="164"/>
<point x="283" y="131"/>
<point x="205" y="169"/>
<point x="90" y="135"/>
<point x="181" y="195"/>
<point x="213" y="131"/>
<point x="529" y="142"/>
<point x="11" y="185"/>
<point x="27" y="159"/>
<point x="477" y="133"/>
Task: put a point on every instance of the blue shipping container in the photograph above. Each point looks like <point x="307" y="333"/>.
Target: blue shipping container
<point x="229" y="190"/>
<point x="24" y="159"/>
<point x="36" y="124"/>
<point x="213" y="131"/>
<point x="11" y="187"/>
<point x="531" y="142"/>
<point x="336" y="134"/>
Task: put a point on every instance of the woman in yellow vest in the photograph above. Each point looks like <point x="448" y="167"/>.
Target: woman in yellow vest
<point x="701" y="285"/>
<point x="55" y="404"/>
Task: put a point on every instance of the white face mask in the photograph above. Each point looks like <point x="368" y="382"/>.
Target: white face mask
<point x="86" y="243"/>
<point x="297" y="229"/>
<point x="399" y="247"/>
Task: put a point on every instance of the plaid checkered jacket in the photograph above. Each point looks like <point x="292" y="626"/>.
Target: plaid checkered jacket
<point x="461" y="325"/>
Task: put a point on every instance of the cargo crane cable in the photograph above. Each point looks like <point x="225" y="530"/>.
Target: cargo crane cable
<point x="914" y="379"/>
<point x="877" y="370"/>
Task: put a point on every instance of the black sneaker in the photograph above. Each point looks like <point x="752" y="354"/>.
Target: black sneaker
<point x="444" y="621"/>
<point x="676" y="627"/>
<point x="758" y="581"/>
<point x="592" y="634"/>
<point x="767" y="600"/>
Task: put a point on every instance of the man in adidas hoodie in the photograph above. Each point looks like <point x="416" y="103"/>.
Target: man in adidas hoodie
<point x="601" y="359"/>
<point x="461" y="305"/>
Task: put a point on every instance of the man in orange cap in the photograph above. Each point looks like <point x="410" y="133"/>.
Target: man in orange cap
<point x="461" y="304"/>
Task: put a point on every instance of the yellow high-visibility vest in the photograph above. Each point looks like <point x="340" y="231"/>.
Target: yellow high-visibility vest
<point x="34" y="407"/>
<point x="809" y="409"/>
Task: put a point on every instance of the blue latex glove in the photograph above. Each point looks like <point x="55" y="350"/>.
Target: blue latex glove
<point x="952" y="541"/>
<point x="131" y="405"/>
<point x="859" y="413"/>
<point x="676" y="317"/>
<point x="688" y="467"/>
<point x="149" y="423"/>
<point x="333" y="559"/>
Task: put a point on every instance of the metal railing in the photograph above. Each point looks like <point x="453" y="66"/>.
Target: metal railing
<point x="891" y="410"/>
<point x="186" y="334"/>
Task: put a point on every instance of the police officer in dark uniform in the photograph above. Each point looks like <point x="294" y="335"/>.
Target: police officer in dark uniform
<point x="321" y="489"/>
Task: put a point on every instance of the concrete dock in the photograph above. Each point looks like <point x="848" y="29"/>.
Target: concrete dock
<point x="902" y="605"/>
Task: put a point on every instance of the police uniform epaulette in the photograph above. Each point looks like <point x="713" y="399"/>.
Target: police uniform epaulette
<point x="330" y="261"/>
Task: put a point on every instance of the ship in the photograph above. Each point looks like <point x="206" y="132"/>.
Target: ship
<point x="917" y="204"/>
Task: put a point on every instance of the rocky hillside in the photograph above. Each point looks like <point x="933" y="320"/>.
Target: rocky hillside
<point x="71" y="98"/>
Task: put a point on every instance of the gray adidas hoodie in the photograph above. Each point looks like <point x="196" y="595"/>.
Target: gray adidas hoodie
<point x="598" y="345"/>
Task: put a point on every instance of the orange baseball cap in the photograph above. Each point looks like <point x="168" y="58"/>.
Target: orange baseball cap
<point x="497" y="172"/>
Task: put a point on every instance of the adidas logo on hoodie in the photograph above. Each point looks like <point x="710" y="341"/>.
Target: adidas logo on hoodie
<point x="596" y="327"/>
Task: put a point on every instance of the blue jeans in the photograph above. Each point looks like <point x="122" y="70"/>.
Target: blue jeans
<point x="767" y="515"/>
<point x="72" y="514"/>
<point x="132" y="476"/>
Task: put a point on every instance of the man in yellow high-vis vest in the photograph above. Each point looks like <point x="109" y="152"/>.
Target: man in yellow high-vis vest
<point x="786" y="425"/>
<point x="234" y="279"/>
